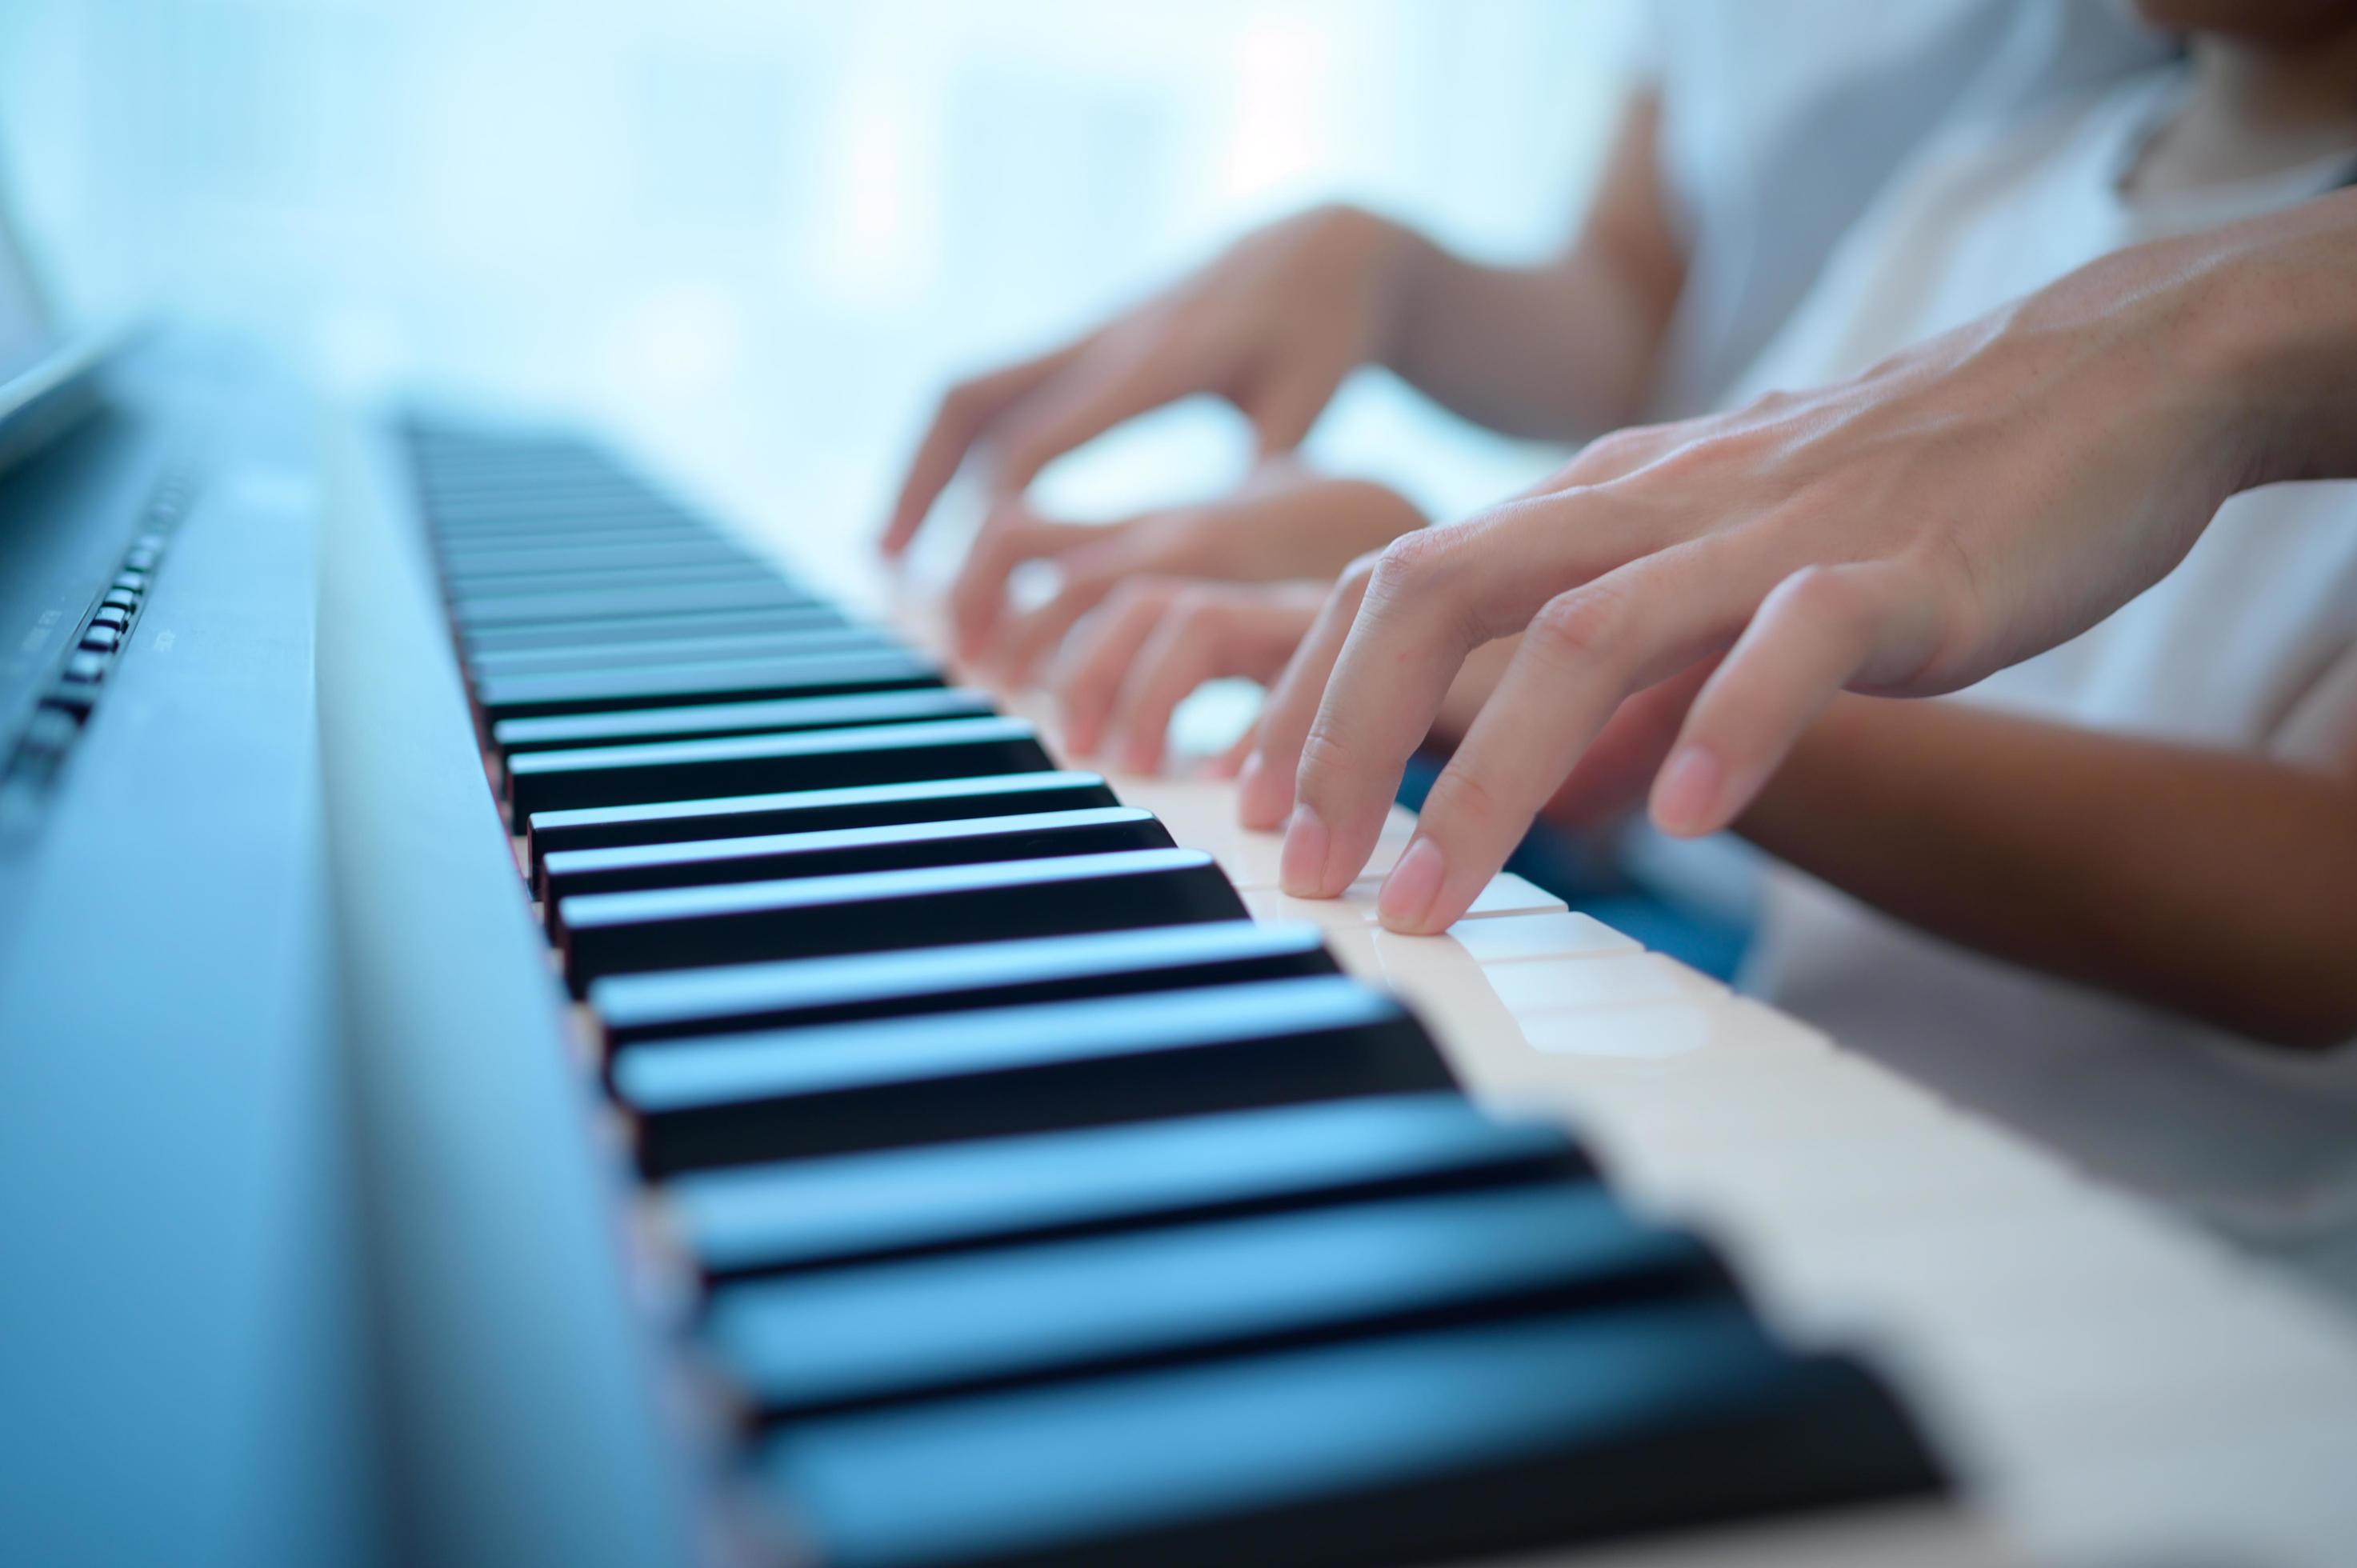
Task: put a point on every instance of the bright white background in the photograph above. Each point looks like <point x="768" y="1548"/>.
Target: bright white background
<point x="752" y="237"/>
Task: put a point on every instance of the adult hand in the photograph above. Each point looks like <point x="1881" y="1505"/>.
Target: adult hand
<point x="1273" y="324"/>
<point x="1284" y="522"/>
<point x="1961" y="506"/>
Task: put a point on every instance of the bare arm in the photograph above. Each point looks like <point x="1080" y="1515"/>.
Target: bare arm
<point x="2212" y="883"/>
<point x="1966" y="503"/>
<point x="1563" y="349"/>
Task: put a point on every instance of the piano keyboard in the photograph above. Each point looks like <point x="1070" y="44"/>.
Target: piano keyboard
<point x="1038" y="1202"/>
<point x="1041" y="1185"/>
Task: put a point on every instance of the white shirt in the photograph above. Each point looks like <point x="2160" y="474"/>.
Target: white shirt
<point x="2216" y="654"/>
<point x="1782" y="119"/>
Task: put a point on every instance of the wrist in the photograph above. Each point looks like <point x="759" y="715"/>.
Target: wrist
<point x="2272" y="327"/>
<point x="1400" y="263"/>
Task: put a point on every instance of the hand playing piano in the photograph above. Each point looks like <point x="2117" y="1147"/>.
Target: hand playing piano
<point x="1271" y="325"/>
<point x="1153" y="640"/>
<point x="1284" y="523"/>
<point x="1957" y="508"/>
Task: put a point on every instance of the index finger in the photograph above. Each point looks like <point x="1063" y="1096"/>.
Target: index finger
<point x="1435" y="598"/>
<point x="964" y="411"/>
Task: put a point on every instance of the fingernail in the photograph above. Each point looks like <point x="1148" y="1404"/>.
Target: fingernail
<point x="1414" y="884"/>
<point x="1259" y="802"/>
<point x="1301" y="864"/>
<point x="1686" y="798"/>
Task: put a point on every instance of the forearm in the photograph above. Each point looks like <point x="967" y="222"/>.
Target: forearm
<point x="2210" y="882"/>
<point x="1561" y="351"/>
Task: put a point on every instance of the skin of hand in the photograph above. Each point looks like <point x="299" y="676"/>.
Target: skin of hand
<point x="1285" y="521"/>
<point x="1964" y="504"/>
<point x="1153" y="640"/>
<point x="1273" y="324"/>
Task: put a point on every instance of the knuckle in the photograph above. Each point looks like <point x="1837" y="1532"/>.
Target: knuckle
<point x="1327" y="754"/>
<point x="1583" y="626"/>
<point x="1412" y="564"/>
<point x="1461" y="797"/>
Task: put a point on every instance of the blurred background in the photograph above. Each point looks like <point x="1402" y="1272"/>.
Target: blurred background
<point x="752" y="238"/>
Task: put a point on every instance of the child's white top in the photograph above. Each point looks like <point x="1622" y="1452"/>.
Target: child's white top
<point x="2215" y="654"/>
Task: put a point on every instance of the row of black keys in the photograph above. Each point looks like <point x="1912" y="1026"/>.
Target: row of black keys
<point x="1048" y="1209"/>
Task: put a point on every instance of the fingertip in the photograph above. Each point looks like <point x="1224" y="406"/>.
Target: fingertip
<point x="1263" y="796"/>
<point x="1689" y="793"/>
<point x="1301" y="862"/>
<point x="1409" y="893"/>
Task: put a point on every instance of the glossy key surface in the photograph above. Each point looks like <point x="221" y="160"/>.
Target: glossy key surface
<point x="1552" y="1432"/>
<point x="568" y="777"/>
<point x="678" y="928"/>
<point x="634" y="1007"/>
<point x="926" y="800"/>
<point x="735" y="1100"/>
<point x="756" y="1219"/>
<point x="842" y="850"/>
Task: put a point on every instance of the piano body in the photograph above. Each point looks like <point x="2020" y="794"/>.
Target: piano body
<point x="533" y="1036"/>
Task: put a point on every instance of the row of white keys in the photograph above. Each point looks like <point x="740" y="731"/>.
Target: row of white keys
<point x="2071" y="1349"/>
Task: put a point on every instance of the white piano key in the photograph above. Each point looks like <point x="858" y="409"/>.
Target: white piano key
<point x="2174" y="1493"/>
<point x="1250" y="858"/>
<point x="1537" y="988"/>
<point x="1557" y="935"/>
<point x="1355" y="908"/>
<point x="1508" y="893"/>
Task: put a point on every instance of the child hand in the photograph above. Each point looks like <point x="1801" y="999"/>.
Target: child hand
<point x="1287" y="522"/>
<point x="1271" y="325"/>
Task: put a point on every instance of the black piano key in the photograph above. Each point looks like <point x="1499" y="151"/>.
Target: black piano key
<point x="452" y="549"/>
<point x="813" y="917"/>
<point x="923" y="1329"/>
<point x="800" y="992"/>
<point x="559" y="530"/>
<point x="704" y="720"/>
<point x="678" y="685"/>
<point x="452" y="513"/>
<point x="812" y="811"/>
<point x="842" y="851"/>
<point x="635" y="653"/>
<point x="817" y="1214"/>
<point x="464" y="562"/>
<point x="559" y="574"/>
<point x="997" y="1072"/>
<point x="1547" y="1432"/>
<point x="603" y="630"/>
<point x="513" y="610"/>
<point x="573" y="776"/>
<point x="559" y="582"/>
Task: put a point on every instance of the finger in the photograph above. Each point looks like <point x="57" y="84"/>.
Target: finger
<point x="1009" y="536"/>
<point x="1182" y="653"/>
<point x="1283" y="409"/>
<point x="1088" y="679"/>
<point x="1435" y="598"/>
<point x="1265" y="781"/>
<point x="1820" y="629"/>
<point x="1117" y="381"/>
<point x="1230" y="762"/>
<point x="1583" y="655"/>
<point x="1088" y="572"/>
<point x="963" y="413"/>
<point x="1612" y="774"/>
<point x="1243" y="631"/>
